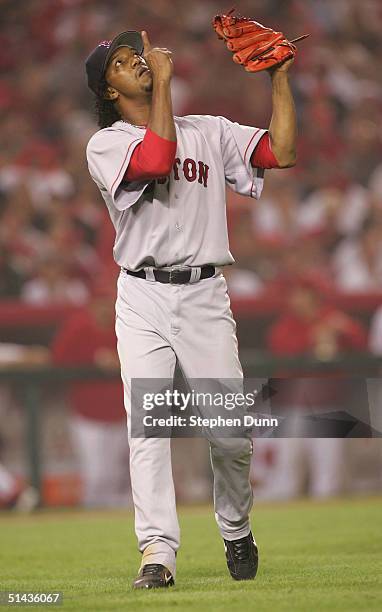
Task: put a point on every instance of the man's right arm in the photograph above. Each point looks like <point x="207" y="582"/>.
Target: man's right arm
<point x="159" y="61"/>
<point x="155" y="156"/>
<point x="152" y="158"/>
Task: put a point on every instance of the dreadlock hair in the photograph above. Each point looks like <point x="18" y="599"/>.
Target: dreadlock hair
<point x="105" y="109"/>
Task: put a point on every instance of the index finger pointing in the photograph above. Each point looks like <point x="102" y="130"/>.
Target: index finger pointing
<point x="146" y="42"/>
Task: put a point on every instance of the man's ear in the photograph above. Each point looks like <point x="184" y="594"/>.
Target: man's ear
<point x="111" y="93"/>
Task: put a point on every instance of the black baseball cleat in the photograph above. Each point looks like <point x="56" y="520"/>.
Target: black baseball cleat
<point x="242" y="558"/>
<point x="153" y="576"/>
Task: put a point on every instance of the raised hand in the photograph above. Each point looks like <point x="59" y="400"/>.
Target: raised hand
<point x="158" y="60"/>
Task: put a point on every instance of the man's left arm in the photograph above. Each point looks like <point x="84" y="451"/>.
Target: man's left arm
<point x="247" y="151"/>
<point x="283" y="126"/>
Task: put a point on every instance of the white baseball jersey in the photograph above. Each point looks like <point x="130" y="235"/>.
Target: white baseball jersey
<point x="179" y="219"/>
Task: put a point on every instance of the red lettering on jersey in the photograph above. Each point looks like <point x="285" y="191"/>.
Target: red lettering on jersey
<point x="175" y="166"/>
<point x="189" y="169"/>
<point x="203" y="173"/>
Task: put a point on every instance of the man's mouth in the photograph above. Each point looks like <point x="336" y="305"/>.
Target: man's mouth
<point x="141" y="70"/>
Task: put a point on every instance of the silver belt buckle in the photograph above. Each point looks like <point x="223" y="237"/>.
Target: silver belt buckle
<point x="174" y="272"/>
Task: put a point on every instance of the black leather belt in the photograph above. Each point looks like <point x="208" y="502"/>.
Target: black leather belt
<point x="176" y="276"/>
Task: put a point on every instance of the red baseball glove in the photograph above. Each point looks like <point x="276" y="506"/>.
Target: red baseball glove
<point x="253" y="46"/>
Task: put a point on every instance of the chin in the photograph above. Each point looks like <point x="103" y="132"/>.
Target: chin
<point x="148" y="86"/>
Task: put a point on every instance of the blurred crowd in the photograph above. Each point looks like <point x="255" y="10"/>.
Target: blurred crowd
<point x="317" y="228"/>
<point x="323" y="217"/>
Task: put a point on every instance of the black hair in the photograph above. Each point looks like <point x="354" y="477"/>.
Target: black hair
<point x="106" y="110"/>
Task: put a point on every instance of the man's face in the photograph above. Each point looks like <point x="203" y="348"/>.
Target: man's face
<point x="128" y="74"/>
<point x="304" y="302"/>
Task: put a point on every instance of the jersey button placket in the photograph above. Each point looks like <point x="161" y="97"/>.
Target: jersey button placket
<point x="176" y="238"/>
<point x="179" y="226"/>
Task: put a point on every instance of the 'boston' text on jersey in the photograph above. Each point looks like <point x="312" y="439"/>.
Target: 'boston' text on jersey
<point x="191" y="170"/>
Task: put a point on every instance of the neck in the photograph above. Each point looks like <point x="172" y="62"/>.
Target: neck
<point x="137" y="112"/>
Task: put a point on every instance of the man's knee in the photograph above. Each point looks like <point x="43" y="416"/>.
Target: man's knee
<point x="234" y="447"/>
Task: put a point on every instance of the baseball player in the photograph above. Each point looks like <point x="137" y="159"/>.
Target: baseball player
<point x="163" y="180"/>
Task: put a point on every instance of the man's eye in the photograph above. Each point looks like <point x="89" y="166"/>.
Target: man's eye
<point x="118" y="62"/>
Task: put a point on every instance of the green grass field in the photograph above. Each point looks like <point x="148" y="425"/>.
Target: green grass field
<point x="314" y="556"/>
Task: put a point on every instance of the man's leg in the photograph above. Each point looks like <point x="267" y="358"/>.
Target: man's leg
<point x="144" y="353"/>
<point x="206" y="347"/>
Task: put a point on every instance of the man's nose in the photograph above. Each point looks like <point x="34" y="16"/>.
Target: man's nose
<point x="135" y="61"/>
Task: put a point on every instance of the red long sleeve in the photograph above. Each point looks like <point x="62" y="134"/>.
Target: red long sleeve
<point x="96" y="400"/>
<point x="152" y="158"/>
<point x="263" y="157"/>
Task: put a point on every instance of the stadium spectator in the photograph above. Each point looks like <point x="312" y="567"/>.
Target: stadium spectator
<point x="10" y="279"/>
<point x="242" y="279"/>
<point x="310" y="327"/>
<point x="357" y="262"/>
<point x="375" y="337"/>
<point x="14" y="495"/>
<point x="97" y="422"/>
<point x="53" y="285"/>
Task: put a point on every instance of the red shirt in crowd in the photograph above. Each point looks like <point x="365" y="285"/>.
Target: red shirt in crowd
<point x="77" y="343"/>
<point x="293" y="335"/>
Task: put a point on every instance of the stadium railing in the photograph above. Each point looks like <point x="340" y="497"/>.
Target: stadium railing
<point x="31" y="380"/>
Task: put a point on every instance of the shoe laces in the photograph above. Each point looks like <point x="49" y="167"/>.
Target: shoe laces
<point x="151" y="568"/>
<point x="241" y="548"/>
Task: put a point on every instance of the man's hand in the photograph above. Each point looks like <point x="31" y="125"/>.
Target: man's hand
<point x="284" y="67"/>
<point x="158" y="60"/>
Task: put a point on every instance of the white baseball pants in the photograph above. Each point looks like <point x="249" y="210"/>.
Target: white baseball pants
<point x="156" y="324"/>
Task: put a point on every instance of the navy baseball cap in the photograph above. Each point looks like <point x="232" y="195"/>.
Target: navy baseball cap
<point x="98" y="60"/>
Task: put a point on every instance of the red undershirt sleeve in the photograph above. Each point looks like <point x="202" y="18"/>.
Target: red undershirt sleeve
<point x="152" y="158"/>
<point x="263" y="157"/>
